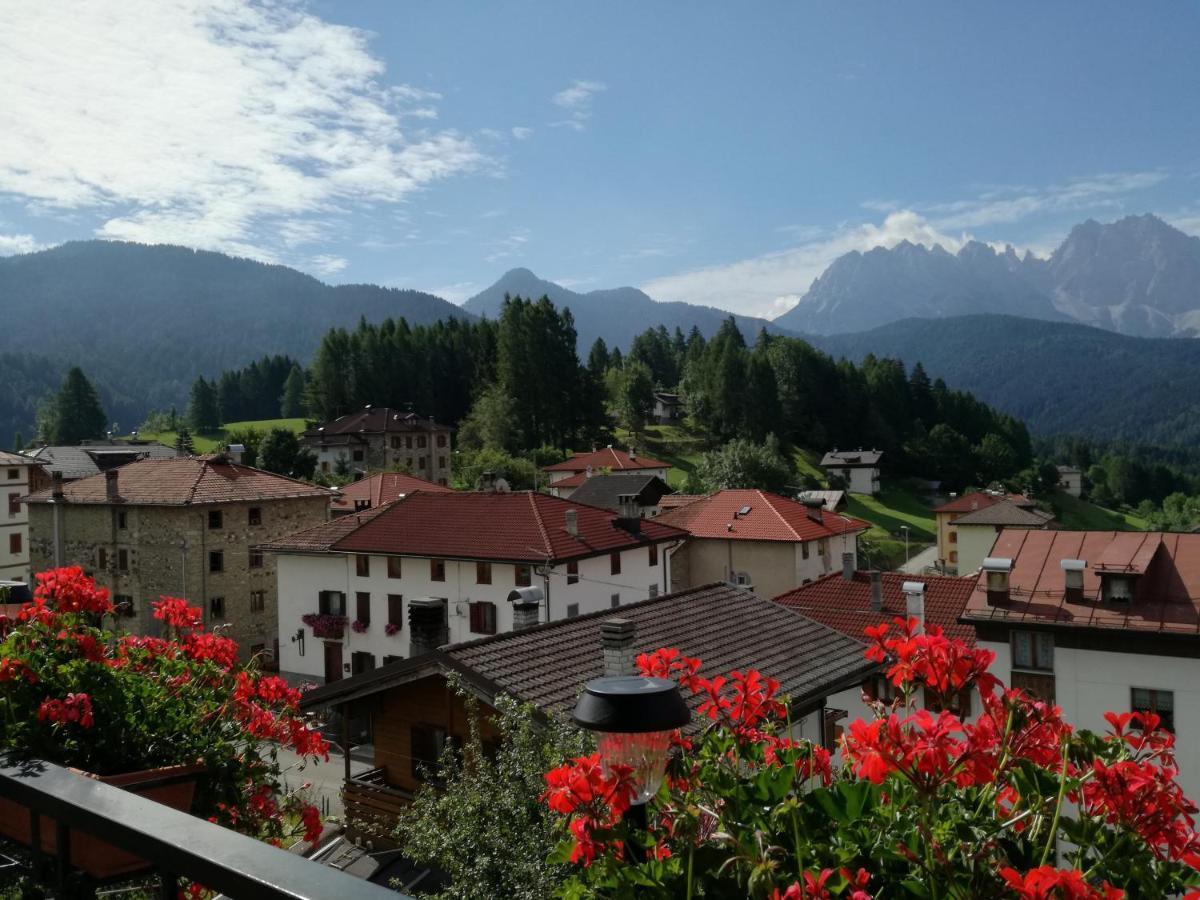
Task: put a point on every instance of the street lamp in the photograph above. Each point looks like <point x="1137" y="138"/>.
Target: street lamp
<point x="904" y="528"/>
<point x="634" y="718"/>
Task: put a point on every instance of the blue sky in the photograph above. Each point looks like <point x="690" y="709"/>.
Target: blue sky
<point x="710" y="152"/>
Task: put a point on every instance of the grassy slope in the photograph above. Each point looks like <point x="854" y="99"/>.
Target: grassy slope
<point x="671" y="444"/>
<point x="1079" y="515"/>
<point x="206" y="443"/>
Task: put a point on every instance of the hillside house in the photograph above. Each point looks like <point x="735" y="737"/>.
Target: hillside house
<point x="183" y="527"/>
<point x="831" y="501"/>
<point x="92" y="457"/>
<point x="376" y="490"/>
<point x="977" y="530"/>
<point x="759" y="540"/>
<point x="948" y="513"/>
<point x="643" y="492"/>
<point x="1070" y="480"/>
<point x="569" y="474"/>
<point x="667" y="410"/>
<point x="857" y="470"/>
<point x="1098" y="621"/>
<point x="414" y="713"/>
<point x="379" y="437"/>
<point x="19" y="476"/>
<point x="462" y="553"/>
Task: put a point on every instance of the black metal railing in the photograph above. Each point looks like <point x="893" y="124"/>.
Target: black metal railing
<point x="176" y="846"/>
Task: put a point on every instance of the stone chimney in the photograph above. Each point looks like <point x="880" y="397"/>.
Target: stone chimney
<point x="812" y="508"/>
<point x="996" y="570"/>
<point x="427" y="624"/>
<point x="487" y="482"/>
<point x="848" y="566"/>
<point x="572" y="520"/>
<point x="236" y="453"/>
<point x="914" y="601"/>
<point x="616" y="639"/>
<point x="876" y="591"/>
<point x="525" y="614"/>
<point x="1073" y="579"/>
<point x="56" y="478"/>
<point x="629" y="515"/>
<point x="111" y="491"/>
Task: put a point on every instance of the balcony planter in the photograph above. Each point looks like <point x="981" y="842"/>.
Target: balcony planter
<point x="173" y="786"/>
<point x="324" y="625"/>
<point x="358" y="626"/>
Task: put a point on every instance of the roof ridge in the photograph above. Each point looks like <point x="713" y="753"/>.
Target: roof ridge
<point x="196" y="484"/>
<point x="788" y="525"/>
<point x="537" y="516"/>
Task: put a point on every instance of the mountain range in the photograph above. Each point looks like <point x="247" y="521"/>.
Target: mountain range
<point x="1137" y="276"/>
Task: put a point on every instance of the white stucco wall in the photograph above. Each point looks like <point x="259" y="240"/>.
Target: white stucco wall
<point x="14" y="566"/>
<point x="974" y="545"/>
<point x="859" y="480"/>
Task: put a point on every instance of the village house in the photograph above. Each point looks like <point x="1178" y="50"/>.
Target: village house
<point x="833" y="501"/>
<point x="948" y="513"/>
<point x="77" y="461"/>
<point x="977" y="530"/>
<point x="1098" y="621"/>
<point x="612" y="491"/>
<point x="857" y="471"/>
<point x="415" y="713"/>
<point x="569" y="474"/>
<point x="1070" y="480"/>
<point x="763" y="541"/>
<point x="667" y="409"/>
<point x="19" y="476"/>
<point x="379" y="437"/>
<point x="183" y="527"/>
<point x="348" y="587"/>
<point x="376" y="490"/>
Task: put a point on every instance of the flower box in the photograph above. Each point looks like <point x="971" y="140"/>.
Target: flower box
<point x="324" y="625"/>
<point x="173" y="786"/>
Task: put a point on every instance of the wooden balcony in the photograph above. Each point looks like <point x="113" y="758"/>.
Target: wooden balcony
<point x="371" y="808"/>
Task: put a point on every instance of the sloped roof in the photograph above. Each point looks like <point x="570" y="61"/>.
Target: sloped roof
<point x="1166" y="596"/>
<point x="674" y="501"/>
<point x="521" y="526"/>
<point x="320" y="538"/>
<point x="846" y="605"/>
<point x="377" y="420"/>
<point x="831" y="500"/>
<point x="852" y="458"/>
<point x="603" y="490"/>
<point x="981" y="500"/>
<point x="184" y="481"/>
<point x="725" y="626"/>
<point x="1005" y="513"/>
<point x="380" y="488"/>
<point x="88" y="459"/>
<point x="17" y="459"/>
<point x="609" y="458"/>
<point x="771" y="517"/>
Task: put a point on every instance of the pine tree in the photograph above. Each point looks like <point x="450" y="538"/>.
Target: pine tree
<point x="184" y="443"/>
<point x="291" y="404"/>
<point x="18" y="442"/>
<point x="204" y="414"/>
<point x="76" y="414"/>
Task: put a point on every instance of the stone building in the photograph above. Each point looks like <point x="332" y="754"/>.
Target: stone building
<point x="184" y="527"/>
<point x="379" y="437"/>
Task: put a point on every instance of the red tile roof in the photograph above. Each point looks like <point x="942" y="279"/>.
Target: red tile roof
<point x="381" y="488"/>
<point x="608" y="458"/>
<point x="771" y="518"/>
<point x="573" y="481"/>
<point x="184" y="481"/>
<point x="846" y="605"/>
<point x="674" y="501"/>
<point x="517" y="527"/>
<point x="980" y="500"/>
<point x="1166" y="595"/>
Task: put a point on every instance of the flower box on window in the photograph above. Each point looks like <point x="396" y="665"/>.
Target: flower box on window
<point x="324" y="625"/>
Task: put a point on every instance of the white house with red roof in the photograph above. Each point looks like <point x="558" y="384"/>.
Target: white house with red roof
<point x="569" y="474"/>
<point x="1098" y="621"/>
<point x="759" y="540"/>
<point x="464" y="553"/>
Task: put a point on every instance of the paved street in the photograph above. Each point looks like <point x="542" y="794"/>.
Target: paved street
<point x="919" y="562"/>
<point x="326" y="778"/>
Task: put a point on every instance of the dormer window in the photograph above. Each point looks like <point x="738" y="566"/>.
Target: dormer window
<point x="1117" y="587"/>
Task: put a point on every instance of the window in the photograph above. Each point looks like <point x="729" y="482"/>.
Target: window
<point x="362" y="566"/>
<point x="14" y="474"/>
<point x="101" y="558"/>
<point x="122" y="520"/>
<point x="216" y="607"/>
<point x="408" y="462"/>
<point x="427" y="744"/>
<point x="422" y="441"/>
<point x="523" y="575"/>
<point x="1038" y="686"/>
<point x="483" y="617"/>
<point x="653" y="590"/>
<point x="216" y="560"/>
<point x="396" y="610"/>
<point x="1033" y="650"/>
<point x="14" y="504"/>
<point x="653" y="549"/>
<point x="394" y="567"/>
<point x="572" y="610"/>
<point x="441" y="462"/>
<point x="408" y="444"/>
<point x="954" y="537"/>
<point x="572" y="573"/>
<point x="254" y="516"/>
<point x="953" y="556"/>
<point x="361" y="661"/>
<point x="395" y="442"/>
<point x="820" y="548"/>
<point x="614" y="563"/>
<point x="14" y="543"/>
<point x="614" y="601"/>
<point x="1161" y="703"/>
<point x="483" y="573"/>
<point x="258" y="601"/>
<point x="123" y="605"/>
<point x="437" y="570"/>
<point x="331" y="603"/>
<point x="358" y="456"/>
<point x="122" y="560"/>
<point x="960" y="703"/>
<point x="324" y="465"/>
<point x="420" y="462"/>
<point x="215" y="518"/>
<point x="804" y="549"/>
<point x="441" y="440"/>
<point x="362" y="607"/>
<point x="256" y="559"/>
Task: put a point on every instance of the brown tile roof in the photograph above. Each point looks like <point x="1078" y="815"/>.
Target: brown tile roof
<point x="674" y="501"/>
<point x="1166" y="596"/>
<point x="727" y="627"/>
<point x="320" y="538"/>
<point x="377" y="420"/>
<point x="16" y="459"/>
<point x="381" y="488"/>
<point x="184" y="481"/>
<point x="1005" y="513"/>
<point x="609" y="458"/>
<point x="771" y="517"/>
<point x="980" y="500"/>
<point x="846" y="605"/>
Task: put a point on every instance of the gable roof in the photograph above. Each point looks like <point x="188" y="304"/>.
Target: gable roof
<point x="16" y="459"/>
<point x="726" y="626"/>
<point x="981" y="500"/>
<point x="852" y="458"/>
<point x="771" y="517"/>
<point x="846" y="605"/>
<point x="609" y="458"/>
<point x="184" y="481"/>
<point x="521" y="526"/>
<point x="830" y="500"/>
<point x="1005" y="513"/>
<point x="376" y="420"/>
<point x="88" y="459"/>
<point x="603" y="490"/>
<point x="381" y="488"/>
<point x="1166" y="597"/>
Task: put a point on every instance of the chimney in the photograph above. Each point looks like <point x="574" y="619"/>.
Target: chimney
<point x="629" y="516"/>
<point x="616" y="639"/>
<point x="997" y="569"/>
<point x="633" y="454"/>
<point x="57" y="480"/>
<point x="914" y="601"/>
<point x="848" y="566"/>
<point x="427" y="621"/>
<point x="876" y="591"/>
<point x="812" y="508"/>
<point x="525" y="602"/>
<point x="572" y="518"/>
<point x="236" y="452"/>
<point x="1073" y="579"/>
<point x="587" y="473"/>
<point x="487" y="482"/>
<point x="110" y="485"/>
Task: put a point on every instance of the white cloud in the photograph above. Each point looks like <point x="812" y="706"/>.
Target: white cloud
<point x="507" y="246"/>
<point x="520" y="132"/>
<point x="12" y="244"/>
<point x="328" y="264"/>
<point x="458" y="293"/>
<point x="577" y="100"/>
<point x="224" y="125"/>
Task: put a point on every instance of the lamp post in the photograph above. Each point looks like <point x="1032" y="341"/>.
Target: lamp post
<point x="904" y="528"/>
<point x="634" y="718"/>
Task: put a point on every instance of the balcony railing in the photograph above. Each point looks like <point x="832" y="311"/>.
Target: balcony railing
<point x="176" y="846"/>
<point x="371" y="809"/>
